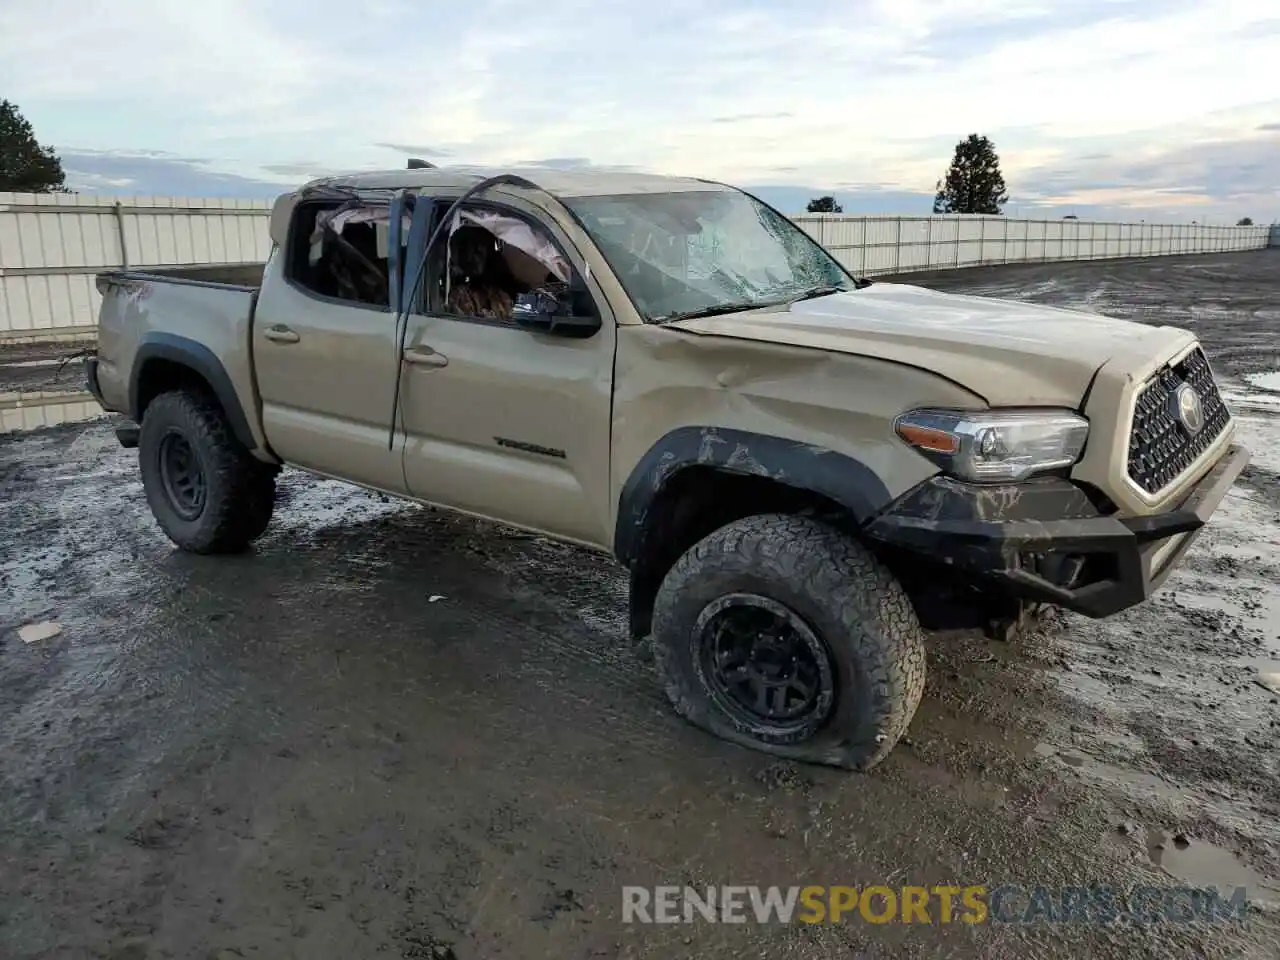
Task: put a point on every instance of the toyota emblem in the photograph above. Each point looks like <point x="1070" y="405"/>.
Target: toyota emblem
<point x="1190" y="409"/>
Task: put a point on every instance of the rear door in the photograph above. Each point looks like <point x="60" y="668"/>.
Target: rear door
<point x="502" y="421"/>
<point x="325" y="349"/>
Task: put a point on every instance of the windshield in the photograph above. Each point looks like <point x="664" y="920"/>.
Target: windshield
<point x="699" y="252"/>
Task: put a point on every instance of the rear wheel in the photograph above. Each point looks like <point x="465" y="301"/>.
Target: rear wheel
<point x="207" y="492"/>
<point x="782" y="634"/>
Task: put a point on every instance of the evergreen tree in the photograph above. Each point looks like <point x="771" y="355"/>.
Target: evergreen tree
<point x="973" y="183"/>
<point x="25" y="166"/>
<point x="824" y="205"/>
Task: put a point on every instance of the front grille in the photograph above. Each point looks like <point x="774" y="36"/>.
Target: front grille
<point x="1160" y="447"/>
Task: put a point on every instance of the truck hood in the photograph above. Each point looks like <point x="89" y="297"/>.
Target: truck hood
<point x="1006" y="351"/>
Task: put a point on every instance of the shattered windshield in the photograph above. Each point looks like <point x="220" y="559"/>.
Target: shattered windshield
<point x="696" y="253"/>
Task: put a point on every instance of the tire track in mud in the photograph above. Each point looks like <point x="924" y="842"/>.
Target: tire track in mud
<point x="353" y="768"/>
<point x="529" y="641"/>
<point x="103" y="576"/>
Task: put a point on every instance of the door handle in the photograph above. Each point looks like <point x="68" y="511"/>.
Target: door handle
<point x="424" y="356"/>
<point x="281" y="334"/>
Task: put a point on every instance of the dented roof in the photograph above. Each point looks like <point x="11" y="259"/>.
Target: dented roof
<point x="581" y="182"/>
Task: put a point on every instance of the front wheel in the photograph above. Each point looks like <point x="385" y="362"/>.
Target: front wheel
<point x="207" y="492"/>
<point x="784" y="635"/>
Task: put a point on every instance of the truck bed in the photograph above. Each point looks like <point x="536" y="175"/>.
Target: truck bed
<point x="199" y="318"/>
<point x="247" y="275"/>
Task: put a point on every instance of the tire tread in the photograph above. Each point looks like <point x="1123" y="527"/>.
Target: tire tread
<point x="241" y="510"/>
<point x="884" y="638"/>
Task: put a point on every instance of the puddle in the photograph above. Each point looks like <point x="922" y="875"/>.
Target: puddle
<point x="1266" y="381"/>
<point x="20" y="412"/>
<point x="1202" y="864"/>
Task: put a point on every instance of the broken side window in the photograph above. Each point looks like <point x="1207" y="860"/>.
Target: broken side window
<point x="490" y="259"/>
<point x="342" y="251"/>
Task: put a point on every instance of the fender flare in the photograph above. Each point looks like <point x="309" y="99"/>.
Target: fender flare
<point x="836" y="476"/>
<point x="198" y="358"/>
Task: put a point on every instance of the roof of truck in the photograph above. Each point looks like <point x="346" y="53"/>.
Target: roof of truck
<point x="576" y="182"/>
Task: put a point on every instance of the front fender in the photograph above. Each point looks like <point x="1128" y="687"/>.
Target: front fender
<point x="803" y="466"/>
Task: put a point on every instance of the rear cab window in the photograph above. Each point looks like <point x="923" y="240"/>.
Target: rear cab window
<point x="341" y="251"/>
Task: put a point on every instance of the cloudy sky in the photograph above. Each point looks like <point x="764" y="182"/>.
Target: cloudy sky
<point x="1159" y="109"/>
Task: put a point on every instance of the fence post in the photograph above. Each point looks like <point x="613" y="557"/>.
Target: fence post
<point x="118" y="209"/>
<point x="897" y="250"/>
<point x="928" y="240"/>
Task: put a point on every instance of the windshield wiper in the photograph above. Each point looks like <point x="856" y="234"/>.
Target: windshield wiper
<point x="824" y="290"/>
<point x="713" y="311"/>
<point x="719" y="308"/>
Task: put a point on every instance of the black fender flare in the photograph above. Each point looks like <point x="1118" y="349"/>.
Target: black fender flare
<point x="198" y="358"/>
<point x="803" y="466"/>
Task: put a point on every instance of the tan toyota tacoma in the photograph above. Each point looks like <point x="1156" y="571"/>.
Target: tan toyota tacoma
<point x="802" y="471"/>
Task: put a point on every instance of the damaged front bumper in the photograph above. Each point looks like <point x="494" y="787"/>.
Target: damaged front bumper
<point x="1044" y="540"/>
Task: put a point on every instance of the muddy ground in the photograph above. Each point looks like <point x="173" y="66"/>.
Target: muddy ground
<point x="390" y="733"/>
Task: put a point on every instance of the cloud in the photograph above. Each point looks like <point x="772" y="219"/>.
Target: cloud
<point x="303" y="169"/>
<point x="417" y="151"/>
<point x="824" y="92"/>
<point x="1222" y="175"/>
<point x="745" y="117"/>
<point x="155" y="173"/>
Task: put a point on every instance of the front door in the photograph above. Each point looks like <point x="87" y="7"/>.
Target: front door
<point x="502" y="421"/>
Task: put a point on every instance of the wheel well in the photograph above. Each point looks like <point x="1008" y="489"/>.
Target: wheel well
<point x="699" y="500"/>
<point x="159" y="375"/>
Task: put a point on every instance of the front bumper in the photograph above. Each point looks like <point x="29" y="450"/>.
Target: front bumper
<point x="1044" y="540"/>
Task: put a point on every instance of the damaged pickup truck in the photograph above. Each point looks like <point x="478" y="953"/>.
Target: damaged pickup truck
<point x="803" y="472"/>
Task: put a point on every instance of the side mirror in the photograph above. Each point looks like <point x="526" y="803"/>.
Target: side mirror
<point x="539" y="310"/>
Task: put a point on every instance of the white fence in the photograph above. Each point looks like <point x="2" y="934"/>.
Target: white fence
<point x="888" y="244"/>
<point x="51" y="245"/>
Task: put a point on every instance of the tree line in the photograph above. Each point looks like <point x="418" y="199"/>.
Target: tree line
<point x="972" y="183"/>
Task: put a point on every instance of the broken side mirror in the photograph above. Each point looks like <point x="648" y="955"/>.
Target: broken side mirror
<point x="543" y="311"/>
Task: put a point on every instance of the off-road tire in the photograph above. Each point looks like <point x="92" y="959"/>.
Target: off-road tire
<point x="844" y="595"/>
<point x="239" y="489"/>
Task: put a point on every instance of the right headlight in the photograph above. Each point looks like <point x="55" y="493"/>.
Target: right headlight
<point x="995" y="446"/>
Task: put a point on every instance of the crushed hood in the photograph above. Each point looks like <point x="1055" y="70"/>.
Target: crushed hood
<point x="1006" y="351"/>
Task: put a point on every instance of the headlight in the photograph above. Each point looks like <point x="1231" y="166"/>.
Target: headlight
<point x="995" y="446"/>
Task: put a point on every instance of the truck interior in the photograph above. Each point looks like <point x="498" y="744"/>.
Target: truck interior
<point x="489" y="259"/>
<point x="342" y="251"/>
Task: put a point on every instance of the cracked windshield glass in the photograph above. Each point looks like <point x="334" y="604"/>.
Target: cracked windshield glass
<point x="699" y="252"/>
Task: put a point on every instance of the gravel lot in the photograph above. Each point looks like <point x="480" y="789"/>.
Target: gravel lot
<point x="388" y="732"/>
